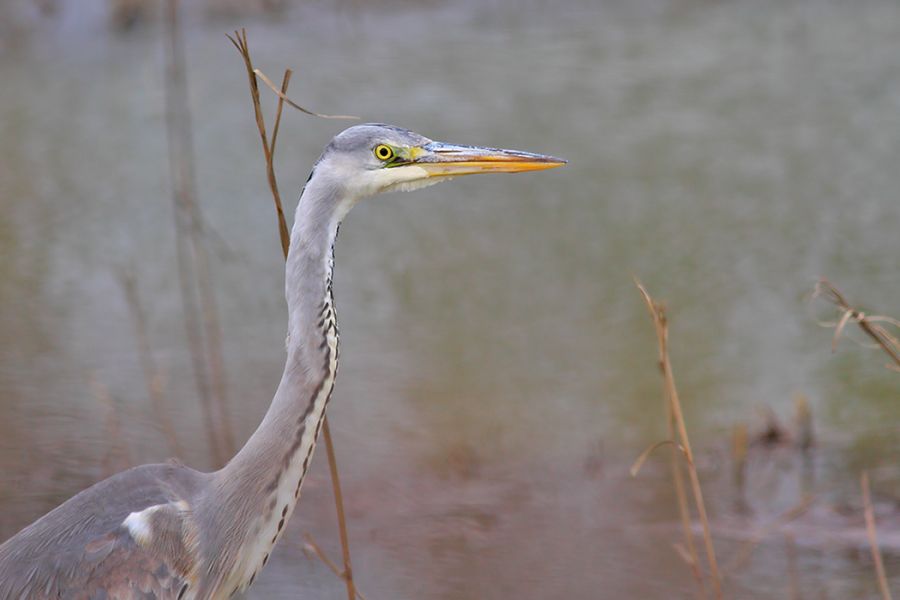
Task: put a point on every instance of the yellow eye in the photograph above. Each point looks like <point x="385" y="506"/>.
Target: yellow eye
<point x="384" y="152"/>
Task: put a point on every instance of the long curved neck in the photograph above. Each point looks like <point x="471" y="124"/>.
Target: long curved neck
<point x="255" y="493"/>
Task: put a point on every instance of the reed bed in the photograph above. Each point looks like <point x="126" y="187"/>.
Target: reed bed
<point x="878" y="328"/>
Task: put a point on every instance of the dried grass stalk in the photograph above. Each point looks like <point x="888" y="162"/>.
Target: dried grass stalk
<point x="871" y="325"/>
<point x="873" y="536"/>
<point x="316" y="550"/>
<point x="676" y="424"/>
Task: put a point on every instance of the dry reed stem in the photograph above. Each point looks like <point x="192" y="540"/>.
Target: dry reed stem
<point x="688" y="556"/>
<point x="240" y="42"/>
<point x="320" y="554"/>
<point x="639" y="462"/>
<point x="869" y="324"/>
<point x="658" y="313"/>
<point x="339" y="506"/>
<point x="200" y="312"/>
<point x="683" y="554"/>
<point x="873" y="536"/>
<point x="283" y="96"/>
<point x="152" y="376"/>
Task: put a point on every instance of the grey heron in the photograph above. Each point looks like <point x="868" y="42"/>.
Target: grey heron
<point x="168" y="531"/>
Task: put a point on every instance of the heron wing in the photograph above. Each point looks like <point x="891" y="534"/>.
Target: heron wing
<point x="84" y="549"/>
<point x="115" y="566"/>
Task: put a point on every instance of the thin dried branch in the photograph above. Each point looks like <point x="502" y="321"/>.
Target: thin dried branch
<point x="871" y="325"/>
<point x="339" y="506"/>
<point x="676" y="419"/>
<point x="281" y="94"/>
<point x="316" y="550"/>
<point x="636" y="467"/>
<point x="241" y="43"/>
<point x="684" y="555"/>
<point x="285" y="82"/>
<point x="873" y="536"/>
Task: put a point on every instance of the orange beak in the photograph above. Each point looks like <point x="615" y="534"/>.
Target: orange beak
<point x="447" y="160"/>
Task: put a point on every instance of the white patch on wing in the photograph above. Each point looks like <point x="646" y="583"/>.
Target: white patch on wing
<point x="138" y="524"/>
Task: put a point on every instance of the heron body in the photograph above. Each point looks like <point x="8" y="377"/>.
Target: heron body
<point x="166" y="531"/>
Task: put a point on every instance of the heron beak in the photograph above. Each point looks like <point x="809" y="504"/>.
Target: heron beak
<point x="448" y="160"/>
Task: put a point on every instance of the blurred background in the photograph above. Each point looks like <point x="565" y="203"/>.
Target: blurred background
<point x="498" y="371"/>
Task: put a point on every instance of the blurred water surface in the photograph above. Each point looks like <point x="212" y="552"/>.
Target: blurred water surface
<point x="498" y="367"/>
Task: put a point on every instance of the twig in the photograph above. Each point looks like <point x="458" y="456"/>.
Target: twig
<point x="339" y="506"/>
<point x="873" y="536"/>
<point x="317" y="550"/>
<point x="683" y="554"/>
<point x="200" y="313"/>
<point x="688" y="554"/>
<point x="870" y="325"/>
<point x="636" y="466"/>
<point x="281" y="94"/>
<point x="676" y="417"/>
<point x="240" y="42"/>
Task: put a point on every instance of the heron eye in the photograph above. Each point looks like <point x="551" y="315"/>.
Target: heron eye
<point x="384" y="152"/>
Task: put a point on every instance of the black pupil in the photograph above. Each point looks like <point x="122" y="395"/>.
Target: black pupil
<point x="384" y="152"/>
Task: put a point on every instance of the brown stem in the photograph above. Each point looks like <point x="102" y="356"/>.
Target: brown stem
<point x="658" y="313"/>
<point x="873" y="536"/>
<point x="868" y="324"/>
<point x="339" y="505"/>
<point x="320" y="554"/>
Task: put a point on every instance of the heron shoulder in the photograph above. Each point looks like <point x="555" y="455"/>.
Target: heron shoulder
<point x="82" y="539"/>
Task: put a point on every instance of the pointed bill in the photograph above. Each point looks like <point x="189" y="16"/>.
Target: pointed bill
<point x="447" y="160"/>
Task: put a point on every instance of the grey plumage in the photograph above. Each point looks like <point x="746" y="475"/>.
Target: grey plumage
<point x="167" y="531"/>
<point x="74" y="550"/>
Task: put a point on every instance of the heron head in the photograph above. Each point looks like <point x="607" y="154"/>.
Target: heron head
<point x="373" y="158"/>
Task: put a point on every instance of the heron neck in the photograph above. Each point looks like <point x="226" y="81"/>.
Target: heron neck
<point x="265" y="477"/>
